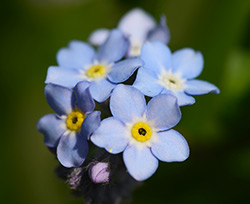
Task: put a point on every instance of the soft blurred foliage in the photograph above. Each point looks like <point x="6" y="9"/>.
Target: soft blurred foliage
<point x="216" y="127"/>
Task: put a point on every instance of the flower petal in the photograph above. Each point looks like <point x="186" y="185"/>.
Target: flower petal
<point x="199" y="87"/>
<point x="64" y="77"/>
<point x="84" y="99"/>
<point x="90" y="124"/>
<point x="136" y="25"/>
<point x="60" y="99"/>
<point x="114" y="48"/>
<point x="147" y="82"/>
<point x="99" y="36"/>
<point x="163" y="111"/>
<point x="52" y="127"/>
<point x="183" y="99"/>
<point x="122" y="70"/>
<point x="111" y="136"/>
<point x="126" y="103"/>
<point x="170" y="146"/>
<point x="72" y="149"/>
<point x="188" y="62"/>
<point x="140" y="162"/>
<point x="77" y="55"/>
<point x="156" y="56"/>
<point x="101" y="89"/>
<point x="160" y="32"/>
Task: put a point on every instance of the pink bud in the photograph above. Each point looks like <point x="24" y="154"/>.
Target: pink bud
<point x="99" y="172"/>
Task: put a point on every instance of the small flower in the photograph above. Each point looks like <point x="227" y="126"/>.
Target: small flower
<point x="79" y="62"/>
<point x="139" y="26"/>
<point x="142" y="132"/>
<point x="164" y="72"/>
<point x="99" y="172"/>
<point x="69" y="129"/>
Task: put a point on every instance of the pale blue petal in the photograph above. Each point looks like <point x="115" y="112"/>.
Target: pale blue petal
<point x="183" y="99"/>
<point x="90" y="124"/>
<point x="122" y="70"/>
<point x="163" y="111"/>
<point x="147" y="82"/>
<point x="111" y="136"/>
<point x="160" y="32"/>
<point x="99" y="36"/>
<point x="156" y="56"/>
<point x="126" y="103"/>
<point x="52" y="127"/>
<point x="114" y="48"/>
<point x="101" y="89"/>
<point x="188" y="62"/>
<point x="72" y="150"/>
<point x="140" y="162"/>
<point x="84" y="99"/>
<point x="199" y="87"/>
<point x="170" y="146"/>
<point x="60" y="99"/>
<point x="77" y="55"/>
<point x="136" y="24"/>
<point x="64" y="77"/>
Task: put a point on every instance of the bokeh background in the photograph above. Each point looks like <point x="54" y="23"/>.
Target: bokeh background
<point x="216" y="127"/>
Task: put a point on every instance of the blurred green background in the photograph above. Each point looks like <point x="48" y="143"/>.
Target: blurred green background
<point x="216" y="127"/>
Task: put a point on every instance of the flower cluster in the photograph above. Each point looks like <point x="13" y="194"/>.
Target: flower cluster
<point x="131" y="62"/>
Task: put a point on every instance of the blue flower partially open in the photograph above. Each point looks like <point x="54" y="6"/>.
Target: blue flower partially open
<point x="142" y="132"/>
<point x="69" y="129"/>
<point x="79" y="62"/>
<point x="164" y="72"/>
<point x="139" y="26"/>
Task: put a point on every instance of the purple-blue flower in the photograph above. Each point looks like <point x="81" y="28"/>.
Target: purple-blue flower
<point x="79" y="62"/>
<point x="139" y="26"/>
<point x="142" y="132"/>
<point x="69" y="129"/>
<point x="164" y="72"/>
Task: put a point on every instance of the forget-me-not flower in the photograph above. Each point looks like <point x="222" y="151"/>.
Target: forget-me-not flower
<point x="79" y="62"/>
<point x="69" y="129"/>
<point x="139" y="26"/>
<point x="142" y="132"/>
<point x="164" y="72"/>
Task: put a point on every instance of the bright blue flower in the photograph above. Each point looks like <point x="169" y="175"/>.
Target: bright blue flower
<point x="79" y="62"/>
<point x="69" y="129"/>
<point x="139" y="26"/>
<point x="164" y="72"/>
<point x="142" y="132"/>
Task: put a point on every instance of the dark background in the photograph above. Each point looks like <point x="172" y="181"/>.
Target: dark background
<point x="216" y="127"/>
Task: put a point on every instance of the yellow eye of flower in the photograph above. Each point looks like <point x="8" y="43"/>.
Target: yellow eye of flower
<point x="141" y="132"/>
<point x="96" y="71"/>
<point x="74" y="120"/>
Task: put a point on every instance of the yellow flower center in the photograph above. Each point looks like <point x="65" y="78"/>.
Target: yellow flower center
<point x="74" y="120"/>
<point x="141" y="132"/>
<point x="96" y="71"/>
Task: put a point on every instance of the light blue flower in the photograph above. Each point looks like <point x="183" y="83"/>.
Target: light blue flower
<point x="79" y="62"/>
<point x="139" y="26"/>
<point x="142" y="132"/>
<point x="69" y="129"/>
<point x="164" y="72"/>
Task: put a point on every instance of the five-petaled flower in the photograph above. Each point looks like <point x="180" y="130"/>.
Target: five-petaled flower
<point x="139" y="26"/>
<point x="142" y="132"/>
<point x="79" y="62"/>
<point x="164" y="72"/>
<point x="69" y="129"/>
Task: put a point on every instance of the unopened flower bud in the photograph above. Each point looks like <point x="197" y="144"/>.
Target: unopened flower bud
<point x="99" y="172"/>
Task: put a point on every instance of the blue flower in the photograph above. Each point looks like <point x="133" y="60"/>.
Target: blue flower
<point x="79" y="62"/>
<point x="139" y="26"/>
<point x="69" y="129"/>
<point x="142" y="132"/>
<point x="164" y="72"/>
